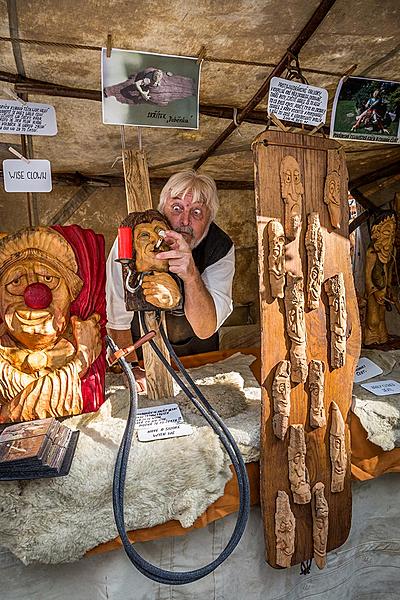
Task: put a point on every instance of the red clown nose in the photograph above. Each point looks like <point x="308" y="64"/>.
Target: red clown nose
<point x="37" y="295"/>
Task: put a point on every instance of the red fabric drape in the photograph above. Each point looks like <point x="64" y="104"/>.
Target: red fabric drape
<point x="89" y="250"/>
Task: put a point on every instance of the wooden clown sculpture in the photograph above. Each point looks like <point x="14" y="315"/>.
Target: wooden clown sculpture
<point x="46" y="354"/>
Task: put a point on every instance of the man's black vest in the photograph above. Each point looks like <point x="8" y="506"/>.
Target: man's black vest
<point x="211" y="249"/>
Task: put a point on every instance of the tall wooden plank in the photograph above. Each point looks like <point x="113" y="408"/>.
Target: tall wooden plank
<point x="311" y="153"/>
<point x="138" y="198"/>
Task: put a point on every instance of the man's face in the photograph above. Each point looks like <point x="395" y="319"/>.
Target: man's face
<point x="191" y="219"/>
<point x="145" y="236"/>
<point x="35" y="329"/>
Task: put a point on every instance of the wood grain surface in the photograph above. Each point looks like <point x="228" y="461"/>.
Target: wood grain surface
<point x="311" y="153"/>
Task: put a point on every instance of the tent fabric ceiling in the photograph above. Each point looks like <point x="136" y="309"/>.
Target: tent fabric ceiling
<point x="362" y="32"/>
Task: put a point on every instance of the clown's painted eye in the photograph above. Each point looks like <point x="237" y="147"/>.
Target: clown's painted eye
<point x="50" y="280"/>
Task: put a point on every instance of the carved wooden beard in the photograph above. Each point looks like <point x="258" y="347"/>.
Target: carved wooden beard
<point x="276" y="258"/>
<point x="298" y="472"/>
<point x="338" y="319"/>
<point x="320" y="514"/>
<point x="285" y="525"/>
<point x="292" y="192"/>
<point x="383" y="236"/>
<point x="281" y="397"/>
<point x="337" y="448"/>
<point x="315" y="246"/>
<point x="332" y="197"/>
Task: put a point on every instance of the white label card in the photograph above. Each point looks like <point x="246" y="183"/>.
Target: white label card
<point x="30" y="118"/>
<point x="366" y="369"/>
<point x="389" y="387"/>
<point x="20" y="176"/>
<point x="297" y="102"/>
<point x="161" y="422"/>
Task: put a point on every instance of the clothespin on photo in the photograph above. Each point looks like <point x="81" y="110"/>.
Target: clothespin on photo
<point x="278" y="122"/>
<point x="14" y="96"/>
<point x="201" y="55"/>
<point x="109" y="45"/>
<point x="18" y="154"/>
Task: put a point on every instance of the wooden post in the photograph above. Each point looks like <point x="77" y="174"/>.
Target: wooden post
<point x="138" y="198"/>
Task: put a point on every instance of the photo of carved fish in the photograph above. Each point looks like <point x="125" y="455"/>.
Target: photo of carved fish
<point x="292" y="194"/>
<point x="276" y="258"/>
<point x="281" y="398"/>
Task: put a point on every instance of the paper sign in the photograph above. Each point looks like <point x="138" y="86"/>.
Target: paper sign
<point x="30" y="118"/>
<point x="366" y="369"/>
<point x="389" y="387"/>
<point x="161" y="422"/>
<point x="297" y="102"/>
<point x="20" y="176"/>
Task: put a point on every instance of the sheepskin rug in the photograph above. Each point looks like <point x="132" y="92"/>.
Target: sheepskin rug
<point x="58" y="520"/>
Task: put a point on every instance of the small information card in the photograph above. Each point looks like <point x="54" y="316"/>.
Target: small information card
<point x="161" y="422"/>
<point x="366" y="369"/>
<point x="297" y="102"/>
<point x="20" y="176"/>
<point x="389" y="387"/>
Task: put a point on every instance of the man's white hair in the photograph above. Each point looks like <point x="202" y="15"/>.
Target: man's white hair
<point x="202" y="187"/>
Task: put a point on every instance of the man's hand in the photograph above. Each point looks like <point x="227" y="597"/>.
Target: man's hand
<point x="161" y="290"/>
<point x="179" y="256"/>
<point x="87" y="338"/>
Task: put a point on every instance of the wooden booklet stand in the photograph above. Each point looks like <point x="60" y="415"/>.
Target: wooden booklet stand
<point x="309" y="320"/>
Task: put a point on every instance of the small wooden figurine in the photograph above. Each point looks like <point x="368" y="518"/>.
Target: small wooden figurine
<point x="285" y="526"/>
<point x="332" y="188"/>
<point x="296" y="326"/>
<point x="276" y="258"/>
<point x="315" y="259"/>
<point x="334" y="287"/>
<point x="320" y="516"/>
<point x="298" y="472"/>
<point x="316" y="386"/>
<point x="292" y="193"/>
<point x="337" y="448"/>
<point x="281" y="397"/>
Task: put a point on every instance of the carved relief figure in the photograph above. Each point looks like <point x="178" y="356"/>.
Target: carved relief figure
<point x="296" y="326"/>
<point x="276" y="258"/>
<point x="155" y="285"/>
<point x="332" y="197"/>
<point x="298" y="472"/>
<point x="335" y="290"/>
<point x="315" y="259"/>
<point x="379" y="261"/>
<point x="320" y="516"/>
<point x="281" y="397"/>
<point x="285" y="525"/>
<point x="44" y="353"/>
<point x="337" y="447"/>
<point x="316" y="385"/>
<point x="292" y="193"/>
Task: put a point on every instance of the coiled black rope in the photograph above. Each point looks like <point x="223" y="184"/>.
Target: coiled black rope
<point x="149" y="570"/>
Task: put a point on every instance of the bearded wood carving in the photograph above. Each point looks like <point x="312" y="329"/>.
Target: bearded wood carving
<point x="149" y="283"/>
<point x="296" y="326"/>
<point x="337" y="447"/>
<point x="379" y="261"/>
<point x="332" y="188"/>
<point x="292" y="193"/>
<point x="276" y="258"/>
<point x="45" y="354"/>
<point x="298" y="472"/>
<point x="281" y="398"/>
<point x="315" y="247"/>
<point x="320" y="516"/>
<point x="335" y="290"/>
<point x="316" y="386"/>
<point x="285" y="526"/>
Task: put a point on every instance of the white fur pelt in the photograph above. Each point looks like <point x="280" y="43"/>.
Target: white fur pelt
<point x="58" y="520"/>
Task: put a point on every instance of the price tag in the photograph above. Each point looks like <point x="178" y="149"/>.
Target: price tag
<point x="161" y="422"/>
<point x="388" y="387"/>
<point x="366" y="369"/>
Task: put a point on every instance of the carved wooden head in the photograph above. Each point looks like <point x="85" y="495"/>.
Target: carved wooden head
<point x="337" y="441"/>
<point x="292" y="191"/>
<point x="294" y="302"/>
<point x="38" y="281"/>
<point x="146" y="226"/>
<point x="383" y="234"/>
<point x="332" y="197"/>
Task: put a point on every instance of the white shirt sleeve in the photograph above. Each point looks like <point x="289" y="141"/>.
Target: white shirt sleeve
<point x="218" y="280"/>
<point x="117" y="316"/>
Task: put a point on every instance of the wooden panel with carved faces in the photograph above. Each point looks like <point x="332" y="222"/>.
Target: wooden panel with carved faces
<point x="314" y="155"/>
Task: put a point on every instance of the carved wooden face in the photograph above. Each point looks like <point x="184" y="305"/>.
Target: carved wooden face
<point x="338" y="454"/>
<point x="296" y="317"/>
<point x="34" y="328"/>
<point x="339" y="306"/>
<point x="145" y="237"/>
<point x="276" y="238"/>
<point x="286" y="525"/>
<point x="383" y="236"/>
<point x="292" y="188"/>
<point x="332" y="197"/>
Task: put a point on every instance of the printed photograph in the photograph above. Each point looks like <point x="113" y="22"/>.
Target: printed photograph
<point x="367" y="110"/>
<point x="150" y="90"/>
